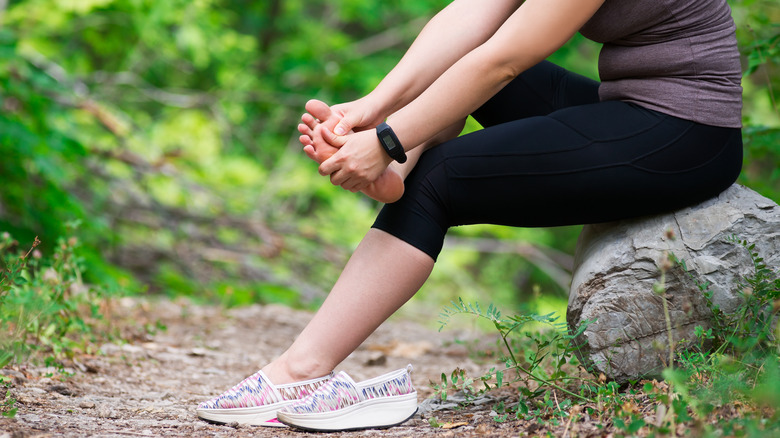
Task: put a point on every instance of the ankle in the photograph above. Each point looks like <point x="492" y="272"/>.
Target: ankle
<point x="283" y="370"/>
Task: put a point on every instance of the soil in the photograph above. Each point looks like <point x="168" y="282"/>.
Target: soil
<point x="150" y="386"/>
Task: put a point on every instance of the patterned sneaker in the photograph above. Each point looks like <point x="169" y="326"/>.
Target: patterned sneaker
<point x="255" y="400"/>
<point x="342" y="404"/>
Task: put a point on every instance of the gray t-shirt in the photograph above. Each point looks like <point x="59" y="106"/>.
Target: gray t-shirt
<point x="678" y="57"/>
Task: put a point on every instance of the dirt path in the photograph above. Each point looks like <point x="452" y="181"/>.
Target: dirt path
<point x="151" y="387"/>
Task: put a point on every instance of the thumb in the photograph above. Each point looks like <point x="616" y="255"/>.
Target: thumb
<point x="346" y="124"/>
<point x="342" y="128"/>
<point x="331" y="138"/>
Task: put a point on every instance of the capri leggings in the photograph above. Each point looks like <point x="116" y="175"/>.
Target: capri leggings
<point x="552" y="154"/>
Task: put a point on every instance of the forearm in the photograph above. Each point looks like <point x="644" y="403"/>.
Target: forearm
<point x="532" y="33"/>
<point x="453" y="96"/>
<point x="448" y="36"/>
<point x="414" y="154"/>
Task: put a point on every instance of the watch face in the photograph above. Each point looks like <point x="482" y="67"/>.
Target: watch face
<point x="388" y="141"/>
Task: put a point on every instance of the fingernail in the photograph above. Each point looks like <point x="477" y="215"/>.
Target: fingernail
<point x="339" y="130"/>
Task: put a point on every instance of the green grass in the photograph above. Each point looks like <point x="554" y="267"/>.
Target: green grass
<point x="728" y="384"/>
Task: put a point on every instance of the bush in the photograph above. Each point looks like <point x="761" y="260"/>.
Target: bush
<point x="46" y="309"/>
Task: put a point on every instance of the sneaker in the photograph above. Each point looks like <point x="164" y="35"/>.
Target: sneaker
<point x="342" y="404"/>
<point x="255" y="400"/>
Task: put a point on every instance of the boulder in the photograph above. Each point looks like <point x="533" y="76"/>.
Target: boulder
<point x="617" y="263"/>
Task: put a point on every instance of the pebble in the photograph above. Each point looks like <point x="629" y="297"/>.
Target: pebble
<point x="86" y="405"/>
<point x="18" y="375"/>
<point x="107" y="413"/>
<point x="61" y="389"/>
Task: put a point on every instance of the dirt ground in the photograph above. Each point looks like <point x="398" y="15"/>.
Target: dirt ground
<point x="150" y="387"/>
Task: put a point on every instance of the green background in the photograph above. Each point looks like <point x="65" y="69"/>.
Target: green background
<point x="163" y="135"/>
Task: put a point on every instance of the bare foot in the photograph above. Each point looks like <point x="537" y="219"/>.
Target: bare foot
<point x="388" y="188"/>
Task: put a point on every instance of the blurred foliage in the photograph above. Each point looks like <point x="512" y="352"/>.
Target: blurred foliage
<point x="168" y="130"/>
<point x="45" y="307"/>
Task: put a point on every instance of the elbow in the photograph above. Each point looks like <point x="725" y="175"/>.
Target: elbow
<point x="503" y="65"/>
<point x="505" y="72"/>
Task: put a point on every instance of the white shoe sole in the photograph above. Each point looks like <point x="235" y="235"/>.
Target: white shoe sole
<point x="370" y="414"/>
<point x="255" y="416"/>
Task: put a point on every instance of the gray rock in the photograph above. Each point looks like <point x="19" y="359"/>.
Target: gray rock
<point x="616" y="265"/>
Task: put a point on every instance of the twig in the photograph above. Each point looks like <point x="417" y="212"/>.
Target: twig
<point x="568" y="424"/>
<point x="555" y="264"/>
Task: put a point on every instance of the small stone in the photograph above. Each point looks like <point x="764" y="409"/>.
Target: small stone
<point x="109" y="349"/>
<point x="24" y="400"/>
<point x="107" y="413"/>
<point x="86" y="405"/>
<point x="61" y="389"/>
<point x="377" y="359"/>
<point x="16" y="375"/>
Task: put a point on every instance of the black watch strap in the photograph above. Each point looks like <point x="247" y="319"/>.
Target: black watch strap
<point x="390" y="143"/>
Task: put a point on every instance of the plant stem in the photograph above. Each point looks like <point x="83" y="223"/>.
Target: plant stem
<point x="536" y="378"/>
<point x="668" y="318"/>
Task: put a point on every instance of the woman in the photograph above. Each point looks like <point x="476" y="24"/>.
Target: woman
<point x="660" y="132"/>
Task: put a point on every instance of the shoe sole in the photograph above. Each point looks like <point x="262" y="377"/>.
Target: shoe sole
<point x="377" y="413"/>
<point x="255" y="416"/>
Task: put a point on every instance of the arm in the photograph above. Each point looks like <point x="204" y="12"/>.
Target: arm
<point x="450" y="34"/>
<point x="529" y="35"/>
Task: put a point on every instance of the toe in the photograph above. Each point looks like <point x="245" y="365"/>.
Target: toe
<point x="305" y="129"/>
<point x="309" y="121"/>
<point x="318" y="109"/>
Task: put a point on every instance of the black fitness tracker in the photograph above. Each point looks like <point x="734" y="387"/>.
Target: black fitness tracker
<point x="390" y="142"/>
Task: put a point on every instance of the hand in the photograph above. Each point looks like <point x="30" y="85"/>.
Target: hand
<point x="359" y="161"/>
<point x="319" y="119"/>
<point x="340" y="119"/>
<point x="358" y="115"/>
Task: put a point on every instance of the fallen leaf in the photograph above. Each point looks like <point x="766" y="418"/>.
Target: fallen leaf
<point x="407" y="350"/>
<point x="454" y="425"/>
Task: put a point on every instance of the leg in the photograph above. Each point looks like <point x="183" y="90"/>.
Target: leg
<point x="584" y="164"/>
<point x="368" y="291"/>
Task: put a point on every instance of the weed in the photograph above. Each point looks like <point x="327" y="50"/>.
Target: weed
<point x="542" y="366"/>
<point x="726" y="383"/>
<point x="7" y="404"/>
<point x="45" y="307"/>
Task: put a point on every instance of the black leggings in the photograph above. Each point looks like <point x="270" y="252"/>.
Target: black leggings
<point x="551" y="154"/>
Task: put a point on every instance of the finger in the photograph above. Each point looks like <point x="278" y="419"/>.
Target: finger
<point x="327" y="167"/>
<point x="338" y="179"/>
<point x="333" y="139"/>
<point x="342" y="127"/>
<point x="349" y="122"/>
<point x="361" y="187"/>
<point x="305" y="140"/>
<point x="355" y="186"/>
<point x="331" y="164"/>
